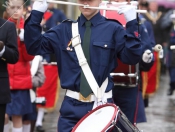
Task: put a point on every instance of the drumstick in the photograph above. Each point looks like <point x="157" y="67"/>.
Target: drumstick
<point x="111" y="9"/>
<point x="62" y="2"/>
<point x="121" y="3"/>
<point x="122" y="74"/>
<point x="157" y="48"/>
<point x="172" y="47"/>
<point x="87" y="6"/>
<point x="117" y="74"/>
<point x="51" y="63"/>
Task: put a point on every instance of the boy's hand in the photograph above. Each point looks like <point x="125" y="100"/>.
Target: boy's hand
<point x="147" y="56"/>
<point x="40" y="6"/>
<point x="129" y="12"/>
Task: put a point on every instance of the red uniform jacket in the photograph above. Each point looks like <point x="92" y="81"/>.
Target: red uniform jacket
<point x="19" y="73"/>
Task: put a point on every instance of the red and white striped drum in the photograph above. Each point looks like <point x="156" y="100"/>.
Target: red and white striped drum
<point x="123" y="75"/>
<point x="104" y="118"/>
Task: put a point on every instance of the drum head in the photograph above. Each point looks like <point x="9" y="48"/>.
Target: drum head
<point x="97" y="120"/>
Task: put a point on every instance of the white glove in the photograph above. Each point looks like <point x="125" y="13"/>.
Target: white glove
<point x="129" y="12"/>
<point x="21" y="34"/>
<point x="147" y="56"/>
<point x="40" y="6"/>
<point x="172" y="17"/>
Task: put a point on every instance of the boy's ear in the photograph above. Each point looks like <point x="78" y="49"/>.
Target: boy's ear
<point x="7" y="10"/>
<point x="5" y="15"/>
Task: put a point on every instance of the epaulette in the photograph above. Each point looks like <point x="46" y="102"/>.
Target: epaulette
<point x="68" y="20"/>
<point x="114" y="20"/>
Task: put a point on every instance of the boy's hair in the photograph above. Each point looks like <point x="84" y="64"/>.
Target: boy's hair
<point x="15" y="0"/>
<point x="5" y="15"/>
<point x="10" y="2"/>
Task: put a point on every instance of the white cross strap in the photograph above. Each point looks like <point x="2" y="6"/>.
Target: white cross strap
<point x="76" y="43"/>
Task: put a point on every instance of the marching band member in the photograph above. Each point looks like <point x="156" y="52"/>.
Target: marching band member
<point x="155" y="17"/>
<point x="19" y="73"/>
<point x="128" y="98"/>
<point x="149" y="87"/>
<point x="144" y="67"/>
<point x="107" y="41"/>
<point x="167" y="24"/>
<point x="171" y="57"/>
<point x="8" y="54"/>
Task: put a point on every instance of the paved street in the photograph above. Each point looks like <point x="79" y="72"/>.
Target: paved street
<point x="160" y="113"/>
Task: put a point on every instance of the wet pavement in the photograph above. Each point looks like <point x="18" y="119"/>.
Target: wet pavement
<point x="160" y="113"/>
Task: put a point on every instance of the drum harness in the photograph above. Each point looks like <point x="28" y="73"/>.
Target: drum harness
<point x="100" y="97"/>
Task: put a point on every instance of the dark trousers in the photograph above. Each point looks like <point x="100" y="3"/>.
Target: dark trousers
<point x="126" y="99"/>
<point x="71" y="112"/>
<point x="130" y="102"/>
<point x="172" y="77"/>
<point x="2" y="116"/>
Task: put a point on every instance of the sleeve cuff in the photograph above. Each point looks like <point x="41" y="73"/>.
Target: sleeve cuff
<point x="131" y="23"/>
<point x="36" y="16"/>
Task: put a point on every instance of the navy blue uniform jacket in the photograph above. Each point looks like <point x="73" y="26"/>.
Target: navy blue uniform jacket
<point x="108" y="41"/>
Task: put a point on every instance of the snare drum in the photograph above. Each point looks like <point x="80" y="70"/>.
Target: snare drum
<point x="104" y="118"/>
<point x="125" y="75"/>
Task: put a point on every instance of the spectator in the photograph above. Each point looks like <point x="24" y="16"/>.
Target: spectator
<point x="8" y="55"/>
<point x="19" y="73"/>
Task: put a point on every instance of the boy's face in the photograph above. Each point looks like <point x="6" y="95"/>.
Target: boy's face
<point x="15" y="9"/>
<point x="89" y="13"/>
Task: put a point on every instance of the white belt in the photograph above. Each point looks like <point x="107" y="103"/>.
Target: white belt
<point x="90" y="98"/>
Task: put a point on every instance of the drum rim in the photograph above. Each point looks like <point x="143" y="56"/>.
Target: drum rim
<point x="98" y="107"/>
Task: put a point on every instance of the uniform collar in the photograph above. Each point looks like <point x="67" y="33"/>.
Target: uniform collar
<point x="94" y="20"/>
